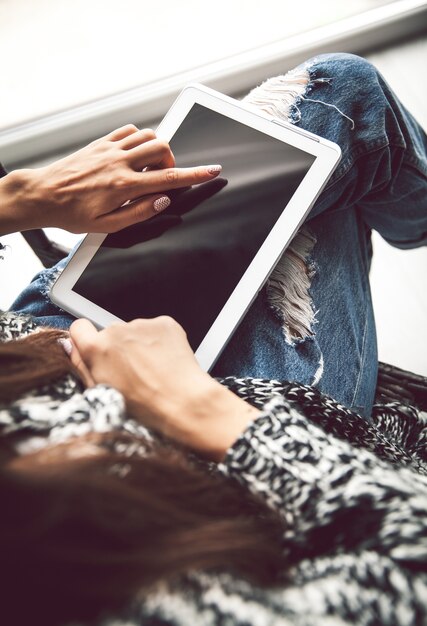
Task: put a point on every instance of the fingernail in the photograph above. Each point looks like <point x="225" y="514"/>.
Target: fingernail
<point x="214" y="169"/>
<point x="161" y="204"/>
<point x="66" y="344"/>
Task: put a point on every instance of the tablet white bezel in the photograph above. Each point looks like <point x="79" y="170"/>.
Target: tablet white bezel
<point x="328" y="154"/>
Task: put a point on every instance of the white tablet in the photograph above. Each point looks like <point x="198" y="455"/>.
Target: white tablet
<point x="204" y="259"/>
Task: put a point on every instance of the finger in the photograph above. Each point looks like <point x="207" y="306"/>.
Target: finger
<point x="81" y="368"/>
<point x="76" y="359"/>
<point x="151" y="153"/>
<point x="133" y="213"/>
<point x="136" y="139"/>
<point x="153" y="181"/>
<point x="123" y="131"/>
<point x="84" y="336"/>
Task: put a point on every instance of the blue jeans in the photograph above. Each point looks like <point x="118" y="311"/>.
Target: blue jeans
<point x="381" y="184"/>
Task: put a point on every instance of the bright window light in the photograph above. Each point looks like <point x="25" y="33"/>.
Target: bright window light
<point x="62" y="53"/>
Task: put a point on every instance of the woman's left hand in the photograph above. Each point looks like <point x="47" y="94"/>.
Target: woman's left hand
<point x="116" y="181"/>
<point x="151" y="363"/>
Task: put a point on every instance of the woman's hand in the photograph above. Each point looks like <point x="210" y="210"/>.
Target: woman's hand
<point x="152" y="364"/>
<point x="86" y="191"/>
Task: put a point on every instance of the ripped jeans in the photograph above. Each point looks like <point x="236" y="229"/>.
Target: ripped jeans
<point x="313" y="322"/>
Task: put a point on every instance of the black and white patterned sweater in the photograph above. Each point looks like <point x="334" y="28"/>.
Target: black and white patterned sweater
<point x="353" y="495"/>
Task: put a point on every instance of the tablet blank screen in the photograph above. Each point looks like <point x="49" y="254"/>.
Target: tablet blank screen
<point x="186" y="261"/>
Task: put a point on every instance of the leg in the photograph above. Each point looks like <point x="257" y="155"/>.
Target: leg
<point x="380" y="183"/>
<point x="337" y="350"/>
<point x="34" y="300"/>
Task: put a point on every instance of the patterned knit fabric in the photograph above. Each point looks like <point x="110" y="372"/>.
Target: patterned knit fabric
<point x="353" y="495"/>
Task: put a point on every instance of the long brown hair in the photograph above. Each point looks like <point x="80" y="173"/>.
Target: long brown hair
<point x="82" y="533"/>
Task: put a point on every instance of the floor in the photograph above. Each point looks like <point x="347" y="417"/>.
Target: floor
<point x="398" y="277"/>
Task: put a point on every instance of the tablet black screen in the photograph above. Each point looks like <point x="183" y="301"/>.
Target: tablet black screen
<point x="186" y="261"/>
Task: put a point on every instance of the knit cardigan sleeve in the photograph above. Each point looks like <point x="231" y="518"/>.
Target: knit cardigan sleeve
<point x="332" y="496"/>
<point x="37" y="421"/>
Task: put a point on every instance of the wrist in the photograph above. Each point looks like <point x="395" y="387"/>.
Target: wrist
<point x="19" y="201"/>
<point x="215" y="418"/>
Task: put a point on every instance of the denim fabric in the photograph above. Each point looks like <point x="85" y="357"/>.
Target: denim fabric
<point x="379" y="184"/>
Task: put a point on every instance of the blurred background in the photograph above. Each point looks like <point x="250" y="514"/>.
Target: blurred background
<point x="72" y="70"/>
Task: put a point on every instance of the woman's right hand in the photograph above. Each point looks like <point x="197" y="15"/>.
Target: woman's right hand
<point x="151" y="363"/>
<point x="86" y="191"/>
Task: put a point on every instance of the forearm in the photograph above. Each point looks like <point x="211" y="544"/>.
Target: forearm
<point x="209" y="419"/>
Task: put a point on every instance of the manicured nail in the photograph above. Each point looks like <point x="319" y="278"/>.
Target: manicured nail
<point x="66" y="344"/>
<point x="161" y="204"/>
<point x="214" y="169"/>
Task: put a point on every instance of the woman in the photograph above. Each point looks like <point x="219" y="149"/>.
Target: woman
<point x="134" y="484"/>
